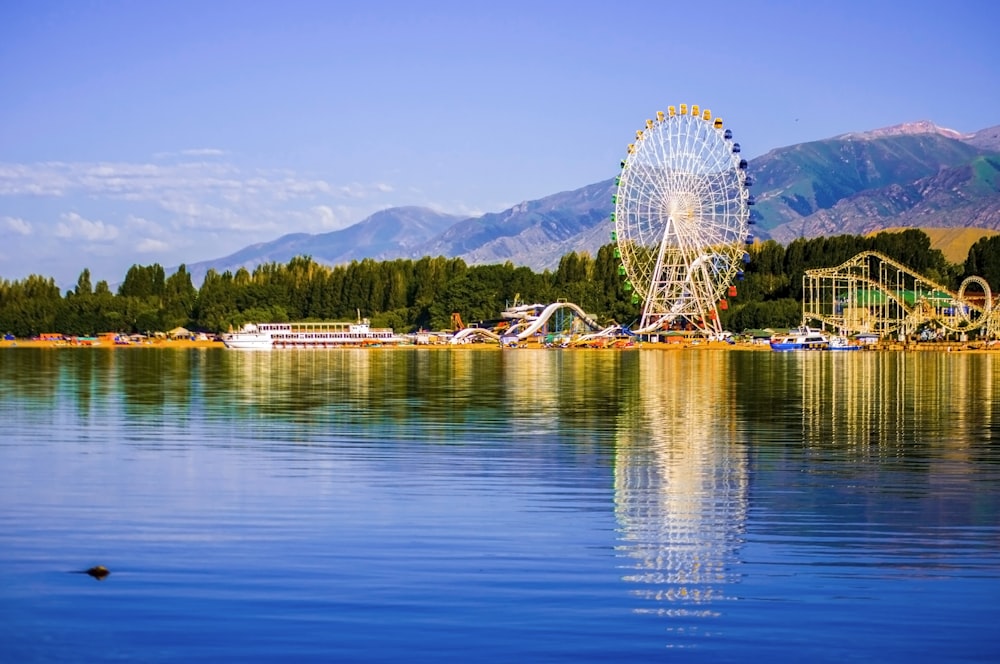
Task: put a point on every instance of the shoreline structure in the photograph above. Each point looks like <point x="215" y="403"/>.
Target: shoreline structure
<point x="694" y="345"/>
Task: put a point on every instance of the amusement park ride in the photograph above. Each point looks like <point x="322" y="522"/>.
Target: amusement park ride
<point x="525" y="321"/>
<point x="874" y="294"/>
<point x="680" y="224"/>
<point x="681" y="219"/>
<point x="681" y="227"/>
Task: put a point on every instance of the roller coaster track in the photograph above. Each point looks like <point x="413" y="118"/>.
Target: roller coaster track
<point x="874" y="293"/>
<point x="528" y="327"/>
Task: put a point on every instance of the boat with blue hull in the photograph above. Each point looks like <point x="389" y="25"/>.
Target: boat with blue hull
<point x="803" y="338"/>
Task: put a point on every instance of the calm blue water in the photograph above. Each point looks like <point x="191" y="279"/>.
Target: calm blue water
<point x="478" y="505"/>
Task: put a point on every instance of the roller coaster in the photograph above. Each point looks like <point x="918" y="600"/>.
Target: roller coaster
<point x="873" y="294"/>
<point x="529" y="320"/>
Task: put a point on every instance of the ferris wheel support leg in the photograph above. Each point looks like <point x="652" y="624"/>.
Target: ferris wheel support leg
<point x="654" y="283"/>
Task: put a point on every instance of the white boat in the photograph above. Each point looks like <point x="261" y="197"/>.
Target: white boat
<point x="843" y="343"/>
<point x="266" y="336"/>
<point x="803" y="338"/>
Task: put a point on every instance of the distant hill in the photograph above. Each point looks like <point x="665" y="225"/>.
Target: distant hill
<point x="954" y="243"/>
<point x="389" y="233"/>
<point x="909" y="175"/>
<point x="535" y="233"/>
<point x="915" y="175"/>
<point x="988" y="139"/>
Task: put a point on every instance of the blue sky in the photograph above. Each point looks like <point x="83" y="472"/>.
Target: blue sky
<point x="174" y="132"/>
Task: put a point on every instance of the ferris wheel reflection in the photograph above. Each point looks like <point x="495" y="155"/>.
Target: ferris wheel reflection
<point x="681" y="484"/>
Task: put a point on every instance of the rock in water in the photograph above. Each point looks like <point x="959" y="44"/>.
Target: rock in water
<point x="99" y="572"/>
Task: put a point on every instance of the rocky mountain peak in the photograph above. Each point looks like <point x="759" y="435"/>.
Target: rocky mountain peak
<point x="908" y="129"/>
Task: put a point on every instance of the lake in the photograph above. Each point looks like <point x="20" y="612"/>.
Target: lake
<point x="477" y="505"/>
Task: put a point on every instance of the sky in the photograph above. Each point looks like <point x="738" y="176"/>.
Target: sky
<point x="170" y="132"/>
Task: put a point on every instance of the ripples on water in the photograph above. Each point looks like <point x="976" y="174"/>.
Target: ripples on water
<point x="457" y="505"/>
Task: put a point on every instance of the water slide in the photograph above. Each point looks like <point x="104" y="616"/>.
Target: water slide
<point x="532" y="327"/>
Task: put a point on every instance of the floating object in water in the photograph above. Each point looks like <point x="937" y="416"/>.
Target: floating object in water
<point x="99" y="572"/>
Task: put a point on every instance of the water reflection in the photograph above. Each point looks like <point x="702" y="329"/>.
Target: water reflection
<point x="157" y="385"/>
<point x="434" y="395"/>
<point x="889" y="405"/>
<point x="28" y="376"/>
<point x="879" y="463"/>
<point x="681" y="483"/>
<point x="524" y="503"/>
<point x="577" y="395"/>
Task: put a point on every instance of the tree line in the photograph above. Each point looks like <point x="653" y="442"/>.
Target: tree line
<point x="408" y="294"/>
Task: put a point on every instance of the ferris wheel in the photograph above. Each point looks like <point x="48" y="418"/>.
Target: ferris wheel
<point x="682" y="210"/>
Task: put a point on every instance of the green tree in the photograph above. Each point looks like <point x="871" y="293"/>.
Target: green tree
<point x="143" y="282"/>
<point x="179" y="296"/>
<point x="215" y="306"/>
<point x="83" y="287"/>
<point x="29" y="307"/>
<point x="984" y="261"/>
<point x="614" y="303"/>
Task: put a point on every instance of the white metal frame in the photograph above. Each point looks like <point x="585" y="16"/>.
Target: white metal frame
<point x="681" y="218"/>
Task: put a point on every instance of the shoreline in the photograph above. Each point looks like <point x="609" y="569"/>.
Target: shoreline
<point x="185" y="344"/>
<point x="182" y="344"/>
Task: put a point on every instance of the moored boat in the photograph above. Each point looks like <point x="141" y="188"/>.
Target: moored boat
<point x="803" y="338"/>
<point x="309" y="335"/>
<point x="843" y="343"/>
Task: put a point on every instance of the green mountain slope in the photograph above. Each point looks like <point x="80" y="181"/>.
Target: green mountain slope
<point x="796" y="182"/>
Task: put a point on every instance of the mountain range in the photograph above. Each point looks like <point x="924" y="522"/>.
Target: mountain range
<point x="909" y="175"/>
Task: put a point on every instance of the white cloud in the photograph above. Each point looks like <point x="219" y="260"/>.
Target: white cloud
<point x="30" y="180"/>
<point x="191" y="152"/>
<point x="290" y="188"/>
<point x="202" y="182"/>
<point x="17" y="225"/>
<point x="150" y="246"/>
<point x="195" y="206"/>
<point x="143" y="225"/>
<point x="152" y="237"/>
<point x="203" y="152"/>
<point x="73" y="226"/>
<point x="325" y="216"/>
<point x="353" y="190"/>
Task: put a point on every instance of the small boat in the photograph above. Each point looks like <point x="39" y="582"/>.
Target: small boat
<point x="843" y="343"/>
<point x="803" y="338"/>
